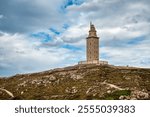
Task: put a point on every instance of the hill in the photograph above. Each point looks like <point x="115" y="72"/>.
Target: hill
<point x="79" y="82"/>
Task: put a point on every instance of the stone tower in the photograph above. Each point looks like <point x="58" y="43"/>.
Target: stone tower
<point x="92" y="46"/>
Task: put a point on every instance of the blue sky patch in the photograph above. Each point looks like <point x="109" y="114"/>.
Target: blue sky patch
<point x="70" y="47"/>
<point x="72" y="2"/>
<point x="54" y="31"/>
<point x="104" y="56"/>
<point x="42" y="35"/>
<point x="66" y="26"/>
<point x="136" y="40"/>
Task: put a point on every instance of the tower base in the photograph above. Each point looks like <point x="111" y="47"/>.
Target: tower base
<point x="94" y="62"/>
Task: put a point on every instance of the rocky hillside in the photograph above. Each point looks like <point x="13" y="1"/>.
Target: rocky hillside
<point x="79" y="82"/>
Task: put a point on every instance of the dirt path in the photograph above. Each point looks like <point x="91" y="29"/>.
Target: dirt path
<point x="8" y="92"/>
<point x="112" y="85"/>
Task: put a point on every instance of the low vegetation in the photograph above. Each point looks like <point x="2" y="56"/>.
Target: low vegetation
<point x="79" y="82"/>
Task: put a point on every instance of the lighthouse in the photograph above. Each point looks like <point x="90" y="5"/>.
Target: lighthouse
<point x="92" y="46"/>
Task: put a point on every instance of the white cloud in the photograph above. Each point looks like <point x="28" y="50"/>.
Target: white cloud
<point x="21" y="54"/>
<point x="30" y="16"/>
<point x="75" y="35"/>
<point x="132" y="55"/>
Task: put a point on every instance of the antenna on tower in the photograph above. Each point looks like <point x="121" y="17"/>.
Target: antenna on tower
<point x="90" y="23"/>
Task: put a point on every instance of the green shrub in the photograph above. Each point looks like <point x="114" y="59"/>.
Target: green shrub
<point x="116" y="94"/>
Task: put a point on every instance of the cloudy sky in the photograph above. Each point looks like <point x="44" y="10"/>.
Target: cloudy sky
<point x="39" y="35"/>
